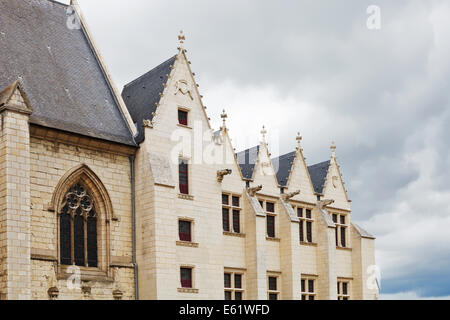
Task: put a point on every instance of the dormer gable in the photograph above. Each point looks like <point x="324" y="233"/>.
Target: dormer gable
<point x="15" y="99"/>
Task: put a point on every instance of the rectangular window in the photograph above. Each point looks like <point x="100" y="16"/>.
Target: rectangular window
<point x="182" y="117"/>
<point x="186" y="277"/>
<point x="308" y="288"/>
<point x="184" y="228"/>
<point x="343" y="290"/>
<point x="236" y="221"/>
<point x="226" y="219"/>
<point x="183" y="176"/>
<point x="271" y="226"/>
<point x="340" y="220"/>
<point x="227" y="280"/>
<point x="309" y="231"/>
<point x="270" y="207"/>
<point x="272" y="285"/>
<point x="231" y="211"/>
<point x="233" y="286"/>
<point x="306" y="224"/>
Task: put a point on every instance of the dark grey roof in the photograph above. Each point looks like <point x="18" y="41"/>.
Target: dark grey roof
<point x="247" y="160"/>
<point x="282" y="166"/>
<point x="142" y="95"/>
<point x="318" y="174"/>
<point x="58" y="70"/>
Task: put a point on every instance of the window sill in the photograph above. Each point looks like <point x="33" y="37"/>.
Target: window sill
<point x="273" y="239"/>
<point x="184" y="126"/>
<point x="309" y="244"/>
<point x="188" y="290"/>
<point x="185" y="197"/>
<point x="187" y="244"/>
<point x="234" y="234"/>
<point x="344" y="249"/>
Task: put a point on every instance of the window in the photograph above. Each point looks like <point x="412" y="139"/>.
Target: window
<point x="308" y="288"/>
<point x="272" y="285"/>
<point x="186" y="277"/>
<point x="306" y="224"/>
<point x="231" y="210"/>
<point x="270" y="217"/>
<point x="183" y="176"/>
<point x="340" y="220"/>
<point x="183" y="117"/>
<point x="343" y="290"/>
<point x="185" y="230"/>
<point x="233" y="286"/>
<point x="271" y="226"/>
<point x="78" y="229"/>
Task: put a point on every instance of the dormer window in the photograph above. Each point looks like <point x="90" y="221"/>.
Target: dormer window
<point x="182" y="117"/>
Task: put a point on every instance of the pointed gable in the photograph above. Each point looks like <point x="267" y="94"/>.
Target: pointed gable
<point x="14" y="98"/>
<point x="264" y="173"/>
<point x="143" y="94"/>
<point x="334" y="186"/>
<point x="65" y="82"/>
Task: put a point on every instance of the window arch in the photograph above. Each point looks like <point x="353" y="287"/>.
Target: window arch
<point x="78" y="228"/>
<point x="84" y="211"/>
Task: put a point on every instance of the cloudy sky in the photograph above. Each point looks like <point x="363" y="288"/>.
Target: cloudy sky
<point x="315" y="67"/>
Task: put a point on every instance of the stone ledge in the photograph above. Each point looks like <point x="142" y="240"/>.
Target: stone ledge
<point x="234" y="234"/>
<point x="309" y="244"/>
<point x="344" y="249"/>
<point x="186" y="290"/>
<point x="43" y="255"/>
<point x="185" y="197"/>
<point x="273" y="239"/>
<point x="187" y="244"/>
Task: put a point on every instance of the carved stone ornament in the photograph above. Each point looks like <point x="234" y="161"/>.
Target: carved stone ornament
<point x="148" y="124"/>
<point x="252" y="191"/>
<point x="183" y="87"/>
<point x="288" y="196"/>
<point x="335" y="181"/>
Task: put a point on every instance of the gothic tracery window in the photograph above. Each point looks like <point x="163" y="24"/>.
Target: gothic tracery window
<point x="78" y="229"/>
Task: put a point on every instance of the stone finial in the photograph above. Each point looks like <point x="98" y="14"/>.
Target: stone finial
<point x="299" y="141"/>
<point x="263" y="133"/>
<point x="224" y="117"/>
<point x="333" y="149"/>
<point x="181" y="38"/>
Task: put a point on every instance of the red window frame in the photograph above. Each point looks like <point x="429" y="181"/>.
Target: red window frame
<point x="183" y="117"/>
<point x="186" y="277"/>
<point x="185" y="235"/>
<point x="183" y="174"/>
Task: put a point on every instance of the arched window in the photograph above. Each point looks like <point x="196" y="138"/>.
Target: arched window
<point x="78" y="228"/>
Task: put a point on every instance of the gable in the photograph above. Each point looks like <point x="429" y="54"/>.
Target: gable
<point x="299" y="179"/>
<point x="65" y="84"/>
<point x="334" y="187"/>
<point x="264" y="173"/>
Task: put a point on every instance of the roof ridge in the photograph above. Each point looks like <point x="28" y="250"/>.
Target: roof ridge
<point x="147" y="73"/>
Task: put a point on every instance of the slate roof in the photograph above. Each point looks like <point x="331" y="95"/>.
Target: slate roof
<point x="142" y="94"/>
<point x="247" y="160"/>
<point x="318" y="174"/>
<point x="58" y="71"/>
<point x="363" y="233"/>
<point x="282" y="166"/>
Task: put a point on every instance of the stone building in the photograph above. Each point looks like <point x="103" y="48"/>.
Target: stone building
<point x="135" y="196"/>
